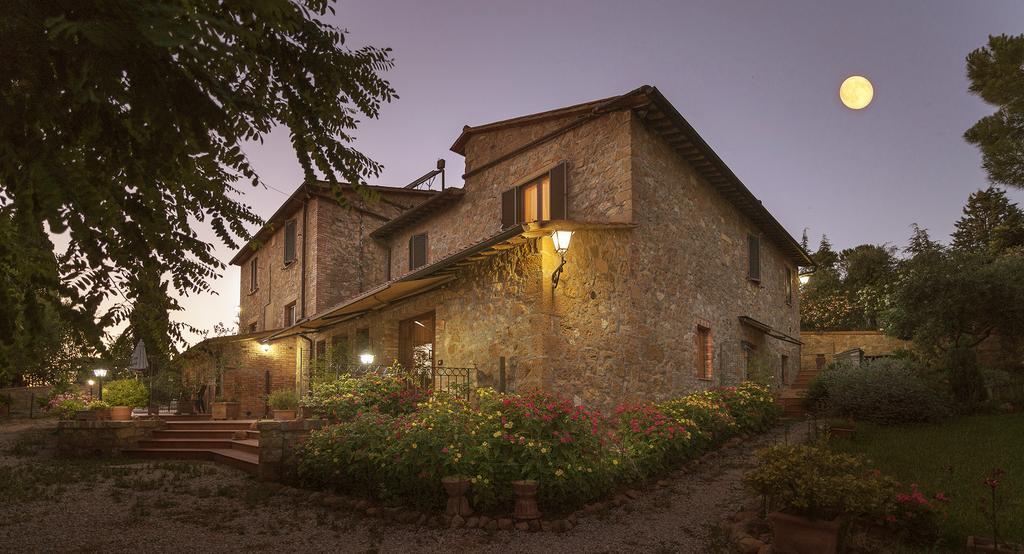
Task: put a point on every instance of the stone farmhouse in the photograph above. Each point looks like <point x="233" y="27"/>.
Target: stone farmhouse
<point x="675" y="276"/>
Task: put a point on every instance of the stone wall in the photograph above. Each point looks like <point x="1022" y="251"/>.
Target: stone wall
<point x="25" y="400"/>
<point x="278" y="443"/>
<point x="992" y="352"/>
<point x="87" y="439"/>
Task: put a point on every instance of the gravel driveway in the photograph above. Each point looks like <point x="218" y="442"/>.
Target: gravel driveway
<point x="88" y="506"/>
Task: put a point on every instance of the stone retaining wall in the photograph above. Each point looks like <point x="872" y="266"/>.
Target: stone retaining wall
<point x="85" y="439"/>
<point x="278" y="442"/>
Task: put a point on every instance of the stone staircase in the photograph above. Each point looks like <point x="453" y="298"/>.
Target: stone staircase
<point x="232" y="442"/>
<point x="792" y="397"/>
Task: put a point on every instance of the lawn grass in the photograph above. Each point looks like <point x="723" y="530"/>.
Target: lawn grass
<point x="971" y="446"/>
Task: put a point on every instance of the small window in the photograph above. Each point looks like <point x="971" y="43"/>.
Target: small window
<point x="705" y="358"/>
<point x="784" y="368"/>
<point x="252" y="327"/>
<point x="417" y="251"/>
<point x="789" y="286"/>
<point x="753" y="257"/>
<point x="542" y="199"/>
<point x="289" y="241"/>
<point x="289" y="315"/>
<point x="819" y="361"/>
<point x="339" y="349"/>
<point x="362" y="341"/>
<point x="320" y="351"/>
<point x="254" y="274"/>
<point x="749" y="358"/>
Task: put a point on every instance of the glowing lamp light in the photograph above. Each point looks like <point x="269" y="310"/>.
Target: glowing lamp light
<point x="805" y="278"/>
<point x="91" y="382"/>
<point x="264" y="347"/>
<point x="561" y="240"/>
<point x="101" y="373"/>
<point x="366" y="359"/>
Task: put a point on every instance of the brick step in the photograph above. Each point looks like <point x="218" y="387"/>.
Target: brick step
<point x="253" y="434"/>
<point x="244" y="461"/>
<point x="792" y="406"/>
<point x="234" y="425"/>
<point x="223" y="434"/>
<point x="248" y="445"/>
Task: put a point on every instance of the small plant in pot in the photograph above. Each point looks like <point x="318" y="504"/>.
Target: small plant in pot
<point x="224" y="408"/>
<point x="284" y="404"/>
<point x="124" y="395"/>
<point x="95" y="410"/>
<point x="990" y="507"/>
<point x="813" y="490"/>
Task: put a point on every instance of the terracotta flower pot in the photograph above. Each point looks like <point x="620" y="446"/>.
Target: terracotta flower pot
<point x="526" y="499"/>
<point x="457" y="486"/>
<point x="801" y="535"/>
<point x="284" y="415"/>
<point x="121" y="413"/>
<point x="225" y="410"/>
<point x="984" y="544"/>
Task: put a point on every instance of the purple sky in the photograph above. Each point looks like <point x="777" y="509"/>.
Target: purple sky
<point x="758" y="80"/>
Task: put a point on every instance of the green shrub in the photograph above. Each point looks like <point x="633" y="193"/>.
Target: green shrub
<point x="814" y="482"/>
<point x="395" y="450"/>
<point x="284" y="399"/>
<point x="97" y="405"/>
<point x="342" y="398"/>
<point x="126" y="392"/>
<point x="883" y="391"/>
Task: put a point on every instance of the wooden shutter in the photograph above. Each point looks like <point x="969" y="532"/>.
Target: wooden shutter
<point x="509" y="214"/>
<point x="289" y="241"/>
<point x="754" y="257"/>
<point x="253" y="274"/>
<point x="417" y="251"/>
<point x="559" y="201"/>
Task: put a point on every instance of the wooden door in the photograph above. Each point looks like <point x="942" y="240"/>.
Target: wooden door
<point x="416" y="344"/>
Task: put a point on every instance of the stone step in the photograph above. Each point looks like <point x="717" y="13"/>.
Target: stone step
<point x="244" y="461"/>
<point x="253" y="434"/>
<point x="248" y="445"/>
<point x="223" y="434"/>
<point x="234" y="425"/>
<point x="188" y="417"/>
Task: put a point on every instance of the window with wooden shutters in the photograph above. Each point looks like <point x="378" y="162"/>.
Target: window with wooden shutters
<point x="254" y="274"/>
<point x="542" y="199"/>
<point x="289" y="314"/>
<point x="753" y="257"/>
<point x="289" y="241"/>
<point x="417" y="251"/>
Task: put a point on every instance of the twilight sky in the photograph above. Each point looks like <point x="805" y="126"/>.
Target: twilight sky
<point x="758" y="80"/>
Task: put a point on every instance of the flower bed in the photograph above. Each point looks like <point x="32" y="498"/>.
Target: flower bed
<point x="393" y="449"/>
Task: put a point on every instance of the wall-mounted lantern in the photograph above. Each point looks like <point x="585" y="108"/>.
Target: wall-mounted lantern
<point x="561" y="241"/>
<point x="805" y="277"/>
<point x="264" y="347"/>
<point x="366" y="358"/>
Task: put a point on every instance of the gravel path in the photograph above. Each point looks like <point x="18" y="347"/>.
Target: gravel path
<point x="83" y="506"/>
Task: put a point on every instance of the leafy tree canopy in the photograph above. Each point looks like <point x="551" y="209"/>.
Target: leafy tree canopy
<point x="996" y="73"/>
<point x="123" y="122"/>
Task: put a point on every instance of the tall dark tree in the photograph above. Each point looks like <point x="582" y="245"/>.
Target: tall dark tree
<point x="996" y="72"/>
<point x="123" y="127"/>
<point x="991" y="224"/>
<point x="847" y="289"/>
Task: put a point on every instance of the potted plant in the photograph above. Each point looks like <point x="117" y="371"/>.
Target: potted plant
<point x="457" y="486"/>
<point x="94" y="410"/>
<point x="222" y="408"/>
<point x="991" y="510"/>
<point x="124" y="395"/>
<point x="284" y="403"/>
<point x="813" y="489"/>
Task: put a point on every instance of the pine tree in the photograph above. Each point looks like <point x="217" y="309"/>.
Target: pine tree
<point x="991" y="224"/>
<point x="996" y="72"/>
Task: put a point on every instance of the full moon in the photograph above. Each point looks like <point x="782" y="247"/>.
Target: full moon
<point x="856" y="92"/>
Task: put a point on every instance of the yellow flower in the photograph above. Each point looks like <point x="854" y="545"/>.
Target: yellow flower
<point x="615" y="462"/>
<point x="530" y="444"/>
<point x="508" y="425"/>
<point x="414" y="445"/>
<point x="559" y="472"/>
<point x="497" y="434"/>
<point x="544" y="450"/>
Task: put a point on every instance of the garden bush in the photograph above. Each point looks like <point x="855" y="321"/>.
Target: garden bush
<point x="284" y="399"/>
<point x="883" y="391"/>
<point x="391" y="449"/>
<point x="814" y="482"/>
<point x="65" y="404"/>
<point x="342" y="398"/>
<point x="126" y="392"/>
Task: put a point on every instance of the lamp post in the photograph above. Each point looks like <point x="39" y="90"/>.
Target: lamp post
<point x="560" y="239"/>
<point x="100" y="374"/>
<point x="91" y="383"/>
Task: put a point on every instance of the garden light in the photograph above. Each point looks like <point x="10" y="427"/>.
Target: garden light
<point x="560" y="239"/>
<point x="366" y="358"/>
<point x="100" y="373"/>
<point x="264" y="347"/>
